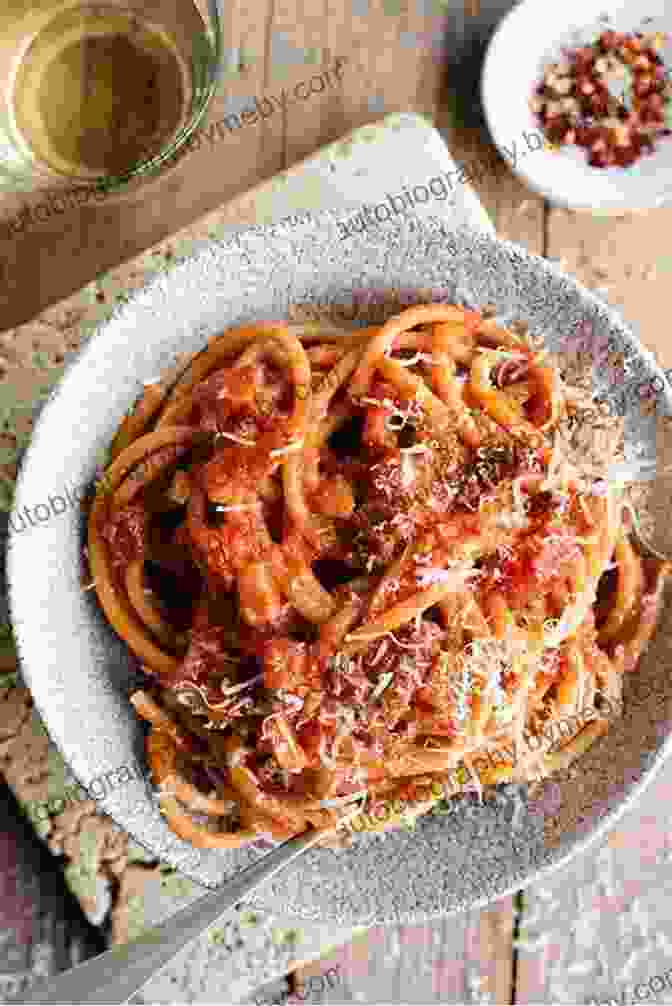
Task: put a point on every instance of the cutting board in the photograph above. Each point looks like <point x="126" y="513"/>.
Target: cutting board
<point x="398" y="164"/>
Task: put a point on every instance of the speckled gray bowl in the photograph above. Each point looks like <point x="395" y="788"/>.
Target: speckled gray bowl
<point x="80" y="673"/>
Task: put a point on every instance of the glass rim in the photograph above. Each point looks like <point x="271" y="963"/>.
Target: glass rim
<point x="215" y="67"/>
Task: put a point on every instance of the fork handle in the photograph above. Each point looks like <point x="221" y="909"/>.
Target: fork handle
<point x="113" y="977"/>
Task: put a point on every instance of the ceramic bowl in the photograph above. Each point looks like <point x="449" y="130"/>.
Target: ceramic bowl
<point x="80" y="673"/>
<point x="531" y="36"/>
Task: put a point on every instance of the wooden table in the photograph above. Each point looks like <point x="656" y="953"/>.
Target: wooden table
<point x="595" y="928"/>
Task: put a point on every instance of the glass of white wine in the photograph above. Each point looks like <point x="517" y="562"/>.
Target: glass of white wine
<point x="100" y="93"/>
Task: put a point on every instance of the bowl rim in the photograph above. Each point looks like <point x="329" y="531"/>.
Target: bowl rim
<point x="490" y="84"/>
<point x="629" y="794"/>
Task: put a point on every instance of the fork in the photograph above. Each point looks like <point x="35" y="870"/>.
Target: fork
<point x="113" y="977"/>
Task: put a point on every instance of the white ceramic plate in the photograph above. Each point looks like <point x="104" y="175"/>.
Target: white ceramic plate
<point x="533" y="35"/>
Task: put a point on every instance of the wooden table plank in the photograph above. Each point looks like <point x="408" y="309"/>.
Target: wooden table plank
<point x="465" y="958"/>
<point x="42" y="927"/>
<point x="600" y="926"/>
<point x="387" y="58"/>
<point x="68" y="245"/>
<point x="198" y="971"/>
<point x="468" y="957"/>
<point x="517" y="213"/>
<point x="595" y="929"/>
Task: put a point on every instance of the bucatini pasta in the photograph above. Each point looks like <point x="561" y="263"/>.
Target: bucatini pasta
<point x="355" y="565"/>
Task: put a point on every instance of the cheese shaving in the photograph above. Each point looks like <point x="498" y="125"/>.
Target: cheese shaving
<point x="339" y="801"/>
<point x="475" y="779"/>
<point x="325" y="758"/>
<point x="296" y="445"/>
<point x="421" y="358"/>
<point x="406" y="646"/>
<point x="416" y="449"/>
<point x="235" y="507"/>
<point x="458" y="575"/>
<point x="505" y="354"/>
<point x="570" y="620"/>
<point x="408" y="471"/>
<point x="380" y="653"/>
<point x="397" y="418"/>
<point x="383" y="682"/>
<point x="559" y="471"/>
<point x="236" y="758"/>
<point x="632" y="513"/>
<point x="245" y="684"/>
<point x="238" y="440"/>
<point x="411" y="360"/>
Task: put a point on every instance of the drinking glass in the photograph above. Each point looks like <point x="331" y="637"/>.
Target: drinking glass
<point x="97" y="94"/>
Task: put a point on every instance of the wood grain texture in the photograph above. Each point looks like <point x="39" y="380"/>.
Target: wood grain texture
<point x="598" y="930"/>
<point x="626" y="260"/>
<point x="271" y="49"/>
<point x="595" y="930"/>
<point x="598" y="926"/>
<point x="197" y="972"/>
<point x="462" y="959"/>
<point x="398" y="58"/>
<point x="42" y="928"/>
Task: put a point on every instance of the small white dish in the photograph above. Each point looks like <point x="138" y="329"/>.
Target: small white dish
<point x="530" y="37"/>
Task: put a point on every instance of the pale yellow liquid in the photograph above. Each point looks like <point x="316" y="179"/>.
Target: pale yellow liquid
<point x="98" y="91"/>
